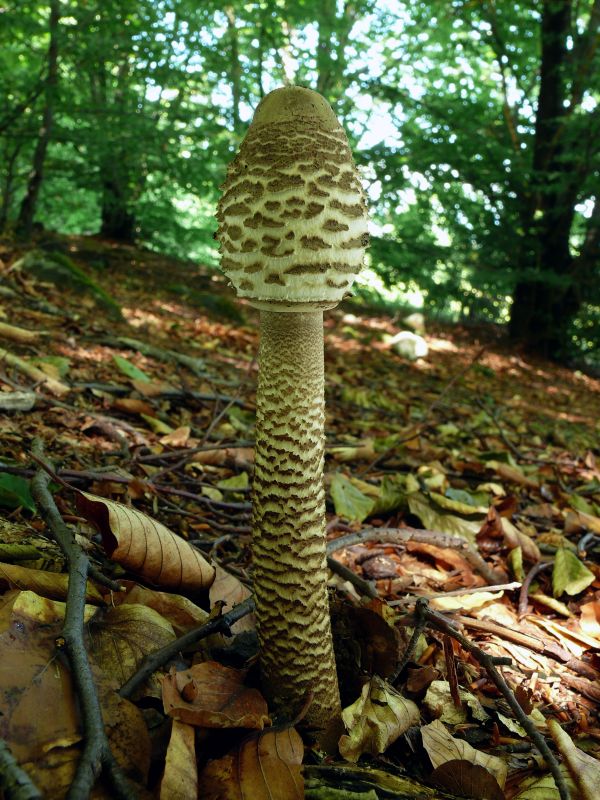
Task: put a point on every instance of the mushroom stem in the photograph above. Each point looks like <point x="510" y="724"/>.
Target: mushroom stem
<point x="290" y="569"/>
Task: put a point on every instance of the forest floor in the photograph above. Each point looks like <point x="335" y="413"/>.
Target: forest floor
<point x="468" y="478"/>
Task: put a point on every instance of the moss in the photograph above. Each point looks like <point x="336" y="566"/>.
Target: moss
<point x="58" y="268"/>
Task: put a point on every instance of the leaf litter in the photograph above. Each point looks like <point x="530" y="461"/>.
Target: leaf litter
<point x="148" y="421"/>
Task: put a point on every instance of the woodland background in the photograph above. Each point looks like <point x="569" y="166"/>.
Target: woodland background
<point x="476" y="126"/>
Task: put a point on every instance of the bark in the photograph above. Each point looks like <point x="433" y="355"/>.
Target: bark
<point x="36" y="176"/>
<point x="289" y="557"/>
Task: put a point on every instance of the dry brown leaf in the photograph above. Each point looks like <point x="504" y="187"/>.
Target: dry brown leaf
<point x="513" y="474"/>
<point x="151" y="388"/>
<point x="584" y="769"/>
<point x="40" y="722"/>
<point x="180" y="779"/>
<point x="210" y="695"/>
<point x="123" y="636"/>
<point x="265" y="766"/>
<point x="145" y="546"/>
<point x="230" y="456"/>
<point x="180" y="611"/>
<point x="513" y="537"/>
<point x="442" y="748"/>
<point x="227" y="589"/>
<point x="47" y="584"/>
<point x="177" y="438"/>
<point x="133" y="405"/>
<point x="21" y="335"/>
<point x="467" y="780"/>
<point x="590" y="618"/>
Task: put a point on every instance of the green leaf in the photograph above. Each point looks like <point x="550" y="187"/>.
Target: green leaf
<point x="569" y="575"/>
<point x="433" y="520"/>
<point x="393" y="494"/>
<point x="14" y="492"/>
<point x="349" y="501"/>
<point x="130" y="370"/>
<point x="235" y="482"/>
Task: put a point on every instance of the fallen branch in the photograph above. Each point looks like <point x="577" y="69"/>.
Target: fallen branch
<point x="160" y="657"/>
<point x="97" y="756"/>
<point x="53" y="385"/>
<point x="401" y="535"/>
<point x="15" y="783"/>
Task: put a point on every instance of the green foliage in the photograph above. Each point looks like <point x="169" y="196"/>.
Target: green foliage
<point x="474" y="181"/>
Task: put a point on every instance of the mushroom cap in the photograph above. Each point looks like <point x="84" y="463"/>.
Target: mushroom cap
<point x="292" y="216"/>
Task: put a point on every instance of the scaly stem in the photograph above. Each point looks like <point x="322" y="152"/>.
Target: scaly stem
<point x="290" y="571"/>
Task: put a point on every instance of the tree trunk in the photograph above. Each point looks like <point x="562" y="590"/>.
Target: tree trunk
<point x="547" y="298"/>
<point x="36" y="176"/>
<point x="118" y="222"/>
<point x="7" y="189"/>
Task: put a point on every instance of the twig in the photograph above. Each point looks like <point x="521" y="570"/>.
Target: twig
<point x="400" y="535"/>
<point x="15" y="783"/>
<point x="523" y="594"/>
<point x="490" y="664"/>
<point x="97" y="756"/>
<point x="364" y="587"/>
<point x="419" y="627"/>
<point x="160" y="657"/>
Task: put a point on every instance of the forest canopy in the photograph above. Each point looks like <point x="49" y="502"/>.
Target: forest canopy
<point x="476" y="127"/>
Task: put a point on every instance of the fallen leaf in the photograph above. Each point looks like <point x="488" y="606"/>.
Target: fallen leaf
<point x="180" y="778"/>
<point x="178" y="610"/>
<point x="569" y="575"/>
<point x="210" y="695"/>
<point x="47" y="584"/>
<point x="265" y="766"/>
<point x="349" y="501"/>
<point x="123" y="636"/>
<point x="145" y="546"/>
<point x="467" y="780"/>
<point x="441" y="748"/>
<point x="584" y="769"/>
<point x="375" y="720"/>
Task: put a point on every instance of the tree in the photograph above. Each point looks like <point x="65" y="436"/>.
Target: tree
<point x="499" y="141"/>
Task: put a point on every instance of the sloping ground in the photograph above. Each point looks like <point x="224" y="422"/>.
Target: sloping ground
<point x="153" y="407"/>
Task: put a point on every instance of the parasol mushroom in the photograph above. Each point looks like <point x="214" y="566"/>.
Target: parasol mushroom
<point x="292" y="232"/>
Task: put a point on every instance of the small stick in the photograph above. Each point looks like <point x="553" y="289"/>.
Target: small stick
<point x="160" y="657"/>
<point x="523" y="594"/>
<point x="364" y="587"/>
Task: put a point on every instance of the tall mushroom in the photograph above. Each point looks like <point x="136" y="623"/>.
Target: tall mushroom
<point x="293" y="231"/>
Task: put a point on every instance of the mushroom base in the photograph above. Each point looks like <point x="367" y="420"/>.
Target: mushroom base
<point x="289" y="557"/>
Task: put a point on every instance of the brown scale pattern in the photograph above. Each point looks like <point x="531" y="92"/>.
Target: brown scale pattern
<point x="289" y="517"/>
<point x="295" y="178"/>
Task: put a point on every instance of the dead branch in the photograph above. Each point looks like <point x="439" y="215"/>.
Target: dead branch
<point x="97" y="756"/>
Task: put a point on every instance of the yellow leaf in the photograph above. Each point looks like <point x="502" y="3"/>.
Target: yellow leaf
<point x="180" y="779"/>
<point x="376" y="719"/>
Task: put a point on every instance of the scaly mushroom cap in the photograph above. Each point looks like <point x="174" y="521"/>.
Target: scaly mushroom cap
<point x="293" y="217"/>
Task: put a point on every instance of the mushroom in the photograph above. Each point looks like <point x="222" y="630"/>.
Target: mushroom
<point x="292" y="232"/>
